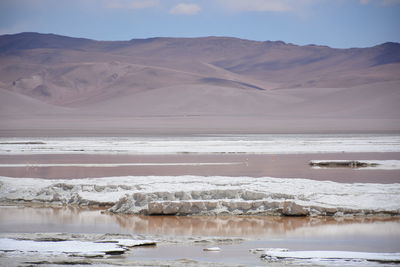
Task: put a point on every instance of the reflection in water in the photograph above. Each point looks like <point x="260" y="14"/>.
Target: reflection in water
<point x="15" y="219"/>
<point x="258" y="226"/>
<point x="70" y="219"/>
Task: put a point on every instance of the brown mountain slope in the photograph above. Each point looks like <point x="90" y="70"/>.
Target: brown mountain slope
<point x="220" y="83"/>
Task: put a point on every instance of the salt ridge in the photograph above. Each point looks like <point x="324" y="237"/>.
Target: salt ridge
<point x="214" y="195"/>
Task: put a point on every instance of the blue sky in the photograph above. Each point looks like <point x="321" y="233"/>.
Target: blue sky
<point x="336" y="23"/>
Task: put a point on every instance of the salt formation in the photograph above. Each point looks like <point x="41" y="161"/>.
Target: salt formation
<point x="341" y="163"/>
<point x="338" y="257"/>
<point x="233" y="202"/>
<point x="357" y="164"/>
<point x="198" y="195"/>
<point x="215" y="249"/>
<point x="78" y="248"/>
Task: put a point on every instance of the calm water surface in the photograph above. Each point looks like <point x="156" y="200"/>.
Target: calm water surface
<point x="253" y="165"/>
<point x="357" y="233"/>
<point x="352" y="234"/>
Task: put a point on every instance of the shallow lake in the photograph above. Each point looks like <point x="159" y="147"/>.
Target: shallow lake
<point x="284" y="157"/>
<point x="379" y="234"/>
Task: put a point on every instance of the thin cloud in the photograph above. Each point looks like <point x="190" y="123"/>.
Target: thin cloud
<point x="381" y="2"/>
<point x="185" y="9"/>
<point x="257" y="5"/>
<point x="132" y="4"/>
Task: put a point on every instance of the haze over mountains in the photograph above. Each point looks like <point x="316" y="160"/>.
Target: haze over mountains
<point x="197" y="85"/>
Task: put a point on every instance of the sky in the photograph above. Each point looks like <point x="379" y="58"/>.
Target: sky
<point x="336" y="23"/>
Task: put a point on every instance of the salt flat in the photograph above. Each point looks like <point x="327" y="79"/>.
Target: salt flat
<point x="208" y="194"/>
<point x="252" y="144"/>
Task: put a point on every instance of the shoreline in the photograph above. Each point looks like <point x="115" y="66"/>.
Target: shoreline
<point x="193" y="126"/>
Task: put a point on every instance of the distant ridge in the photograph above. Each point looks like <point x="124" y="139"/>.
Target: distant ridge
<point x="34" y="40"/>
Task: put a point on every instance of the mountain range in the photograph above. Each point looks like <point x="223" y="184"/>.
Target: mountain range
<point x="52" y="84"/>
